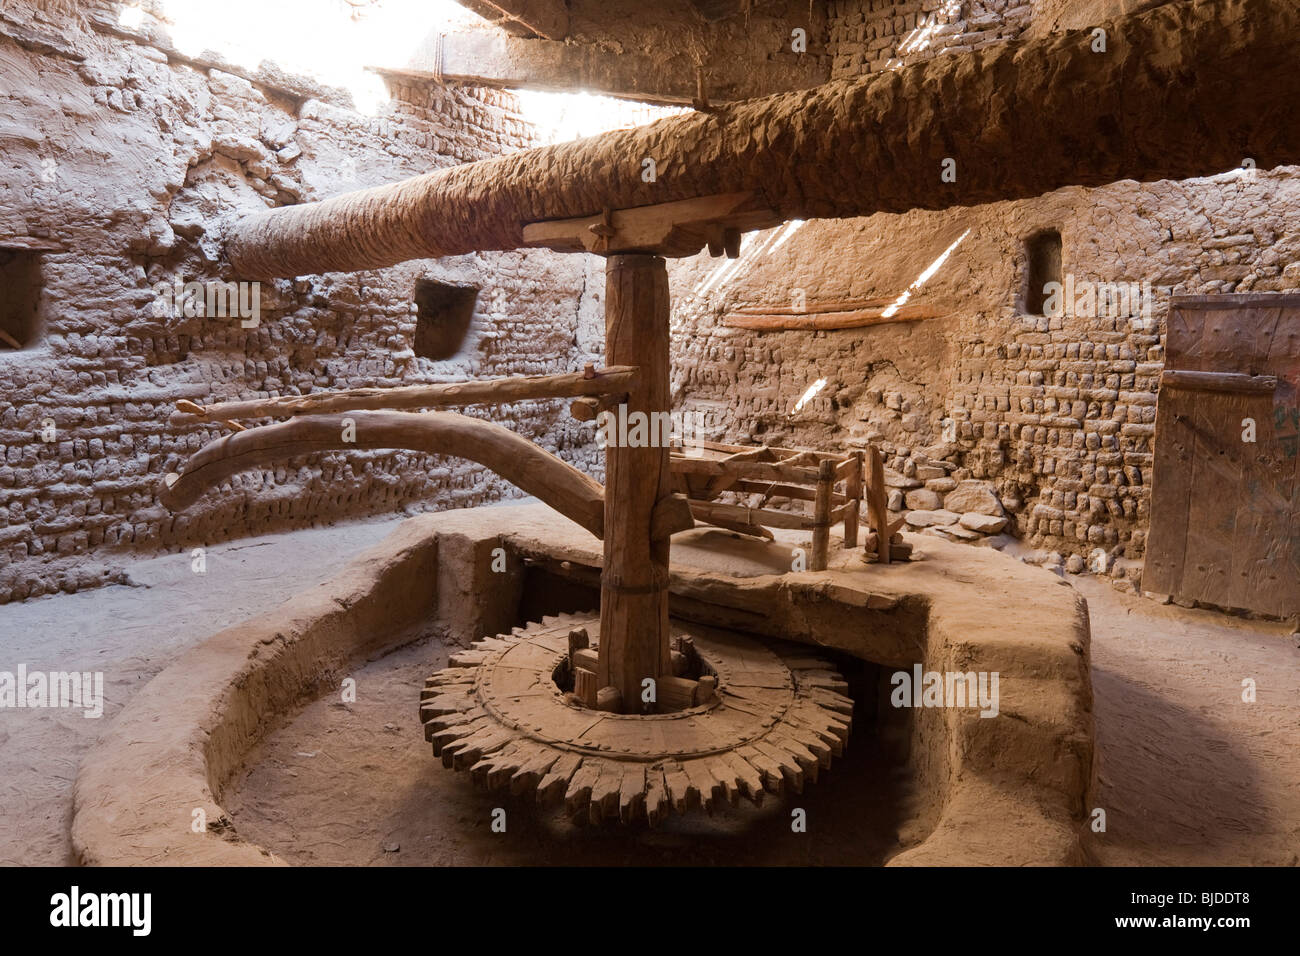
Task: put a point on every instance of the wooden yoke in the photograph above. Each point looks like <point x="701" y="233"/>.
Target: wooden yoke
<point x="634" y="584"/>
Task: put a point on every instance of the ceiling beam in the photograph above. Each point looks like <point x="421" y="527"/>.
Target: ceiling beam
<point x="713" y="10"/>
<point x="492" y="59"/>
<point x="672" y="229"/>
<point x="548" y="19"/>
<point x="1187" y="89"/>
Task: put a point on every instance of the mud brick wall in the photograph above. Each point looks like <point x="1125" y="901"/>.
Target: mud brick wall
<point x="866" y="36"/>
<point x="1057" y="413"/>
<point x="119" y="155"/>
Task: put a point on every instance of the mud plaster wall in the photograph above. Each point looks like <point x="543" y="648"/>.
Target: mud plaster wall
<point x="866" y="36"/>
<point x="681" y="38"/>
<point x="1058" y="413"/>
<point x="120" y="157"/>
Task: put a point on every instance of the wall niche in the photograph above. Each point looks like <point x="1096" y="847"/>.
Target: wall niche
<point x="21" y="285"/>
<point x="1042" y="265"/>
<point x="442" y="318"/>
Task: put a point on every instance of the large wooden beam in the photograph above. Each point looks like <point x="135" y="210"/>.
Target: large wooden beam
<point x="665" y="76"/>
<point x="543" y="18"/>
<point x="713" y="511"/>
<point x="667" y="229"/>
<point x="1186" y="89"/>
<point x="511" y="456"/>
<point x="608" y="381"/>
<point x="826" y="321"/>
<point x="1238" y="382"/>
<point x="720" y="9"/>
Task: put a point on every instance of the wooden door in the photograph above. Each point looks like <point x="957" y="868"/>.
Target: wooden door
<point x="1225" y="511"/>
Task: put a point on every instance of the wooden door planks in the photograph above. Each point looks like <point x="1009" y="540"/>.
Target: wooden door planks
<point x="1171" y="492"/>
<point x="1225" y="514"/>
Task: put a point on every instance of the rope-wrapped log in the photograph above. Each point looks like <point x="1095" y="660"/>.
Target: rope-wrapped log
<point x="1185" y="89"/>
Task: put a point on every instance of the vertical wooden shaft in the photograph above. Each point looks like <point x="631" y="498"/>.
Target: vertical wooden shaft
<point x="634" y="582"/>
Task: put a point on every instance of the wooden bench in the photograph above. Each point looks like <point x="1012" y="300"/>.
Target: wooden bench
<point x="832" y="482"/>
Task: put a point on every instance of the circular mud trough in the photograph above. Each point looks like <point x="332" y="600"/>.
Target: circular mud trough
<point x="774" y="716"/>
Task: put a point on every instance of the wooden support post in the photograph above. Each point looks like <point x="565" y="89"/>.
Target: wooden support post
<point x="853" y="492"/>
<point x="877" y="503"/>
<point x="822" y="513"/>
<point x="634" y="581"/>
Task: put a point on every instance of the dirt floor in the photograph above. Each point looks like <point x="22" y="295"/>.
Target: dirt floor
<point x="131" y="632"/>
<point x="1189" y="773"/>
<point x="356" y="783"/>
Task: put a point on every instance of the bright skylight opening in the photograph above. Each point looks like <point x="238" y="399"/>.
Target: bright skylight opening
<point x="808" y="395"/>
<point x="924" y="277"/>
<point x="561" y="117"/>
<point x="332" y="41"/>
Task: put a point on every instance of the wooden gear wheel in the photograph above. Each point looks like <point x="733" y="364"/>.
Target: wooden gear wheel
<point x="775" y="717"/>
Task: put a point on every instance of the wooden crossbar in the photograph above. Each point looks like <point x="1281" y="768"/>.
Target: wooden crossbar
<point x="617" y="379"/>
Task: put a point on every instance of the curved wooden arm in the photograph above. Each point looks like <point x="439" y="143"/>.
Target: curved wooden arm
<point x="511" y="456"/>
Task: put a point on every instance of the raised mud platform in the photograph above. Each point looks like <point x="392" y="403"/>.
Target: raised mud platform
<point x="1008" y="789"/>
